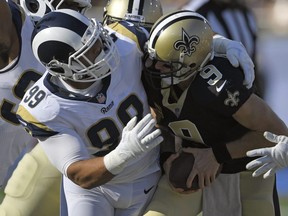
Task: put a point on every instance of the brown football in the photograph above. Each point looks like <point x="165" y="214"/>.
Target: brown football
<point x="180" y="170"/>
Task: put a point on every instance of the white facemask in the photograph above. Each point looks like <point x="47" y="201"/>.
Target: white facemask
<point x="168" y="81"/>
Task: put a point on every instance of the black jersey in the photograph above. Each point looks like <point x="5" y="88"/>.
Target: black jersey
<point x="203" y="112"/>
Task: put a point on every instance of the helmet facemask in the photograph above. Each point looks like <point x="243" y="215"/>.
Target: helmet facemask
<point x="175" y="72"/>
<point x="79" y="67"/>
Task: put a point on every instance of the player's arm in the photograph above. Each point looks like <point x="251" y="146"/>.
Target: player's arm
<point x="237" y="55"/>
<point x="6" y="32"/>
<point x="257" y="116"/>
<point x="64" y="148"/>
<point x="69" y="154"/>
<point x="6" y="21"/>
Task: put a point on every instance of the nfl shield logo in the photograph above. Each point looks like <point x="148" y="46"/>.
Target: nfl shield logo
<point x="100" y="98"/>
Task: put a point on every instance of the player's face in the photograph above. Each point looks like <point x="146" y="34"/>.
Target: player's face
<point x="88" y="58"/>
<point x="162" y="67"/>
<point x="171" y="73"/>
<point x="92" y="53"/>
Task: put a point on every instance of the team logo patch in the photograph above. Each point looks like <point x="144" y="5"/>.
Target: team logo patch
<point x="106" y="109"/>
<point x="187" y="43"/>
<point x="232" y="99"/>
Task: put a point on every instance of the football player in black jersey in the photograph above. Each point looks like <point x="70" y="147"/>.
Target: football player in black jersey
<point x="201" y="98"/>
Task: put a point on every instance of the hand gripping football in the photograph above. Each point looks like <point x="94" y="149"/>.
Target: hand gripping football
<point x="180" y="170"/>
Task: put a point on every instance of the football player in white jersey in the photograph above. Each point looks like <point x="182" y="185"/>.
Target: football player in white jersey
<point x="35" y="180"/>
<point x="19" y="69"/>
<point x="78" y="111"/>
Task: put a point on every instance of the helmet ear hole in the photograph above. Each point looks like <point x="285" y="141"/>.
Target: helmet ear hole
<point x="33" y="6"/>
<point x="59" y="70"/>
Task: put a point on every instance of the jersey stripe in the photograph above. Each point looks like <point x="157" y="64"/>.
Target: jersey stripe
<point x="39" y="129"/>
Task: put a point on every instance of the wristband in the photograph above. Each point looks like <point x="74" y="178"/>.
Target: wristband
<point x="114" y="163"/>
<point x="221" y="153"/>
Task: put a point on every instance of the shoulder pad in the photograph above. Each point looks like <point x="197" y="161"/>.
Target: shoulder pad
<point x="32" y="125"/>
<point x="132" y="31"/>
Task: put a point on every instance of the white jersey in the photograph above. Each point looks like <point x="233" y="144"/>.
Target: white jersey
<point x="49" y="111"/>
<point x="15" y="79"/>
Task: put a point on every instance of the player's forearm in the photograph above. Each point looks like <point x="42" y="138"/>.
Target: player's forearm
<point x="6" y="24"/>
<point x="89" y="173"/>
<point x="257" y="116"/>
<point x="6" y="33"/>
<point x="68" y="153"/>
<point x="251" y="140"/>
<point x="5" y="16"/>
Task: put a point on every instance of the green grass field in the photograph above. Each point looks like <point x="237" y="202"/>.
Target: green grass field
<point x="283" y="203"/>
<point x="1" y="195"/>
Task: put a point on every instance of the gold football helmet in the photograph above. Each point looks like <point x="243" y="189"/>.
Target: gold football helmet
<point x="183" y="41"/>
<point x="142" y="12"/>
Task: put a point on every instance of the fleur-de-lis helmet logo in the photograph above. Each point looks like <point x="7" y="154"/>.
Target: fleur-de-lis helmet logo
<point x="187" y="43"/>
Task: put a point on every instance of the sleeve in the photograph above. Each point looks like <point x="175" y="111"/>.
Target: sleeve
<point x="64" y="149"/>
<point x="42" y="117"/>
<point x="32" y="125"/>
<point x="227" y="93"/>
<point x="137" y="34"/>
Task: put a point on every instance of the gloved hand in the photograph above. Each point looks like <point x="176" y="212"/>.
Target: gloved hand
<point x="273" y="158"/>
<point x="237" y="55"/>
<point x="137" y="139"/>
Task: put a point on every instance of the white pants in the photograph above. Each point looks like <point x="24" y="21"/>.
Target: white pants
<point x="125" y="199"/>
